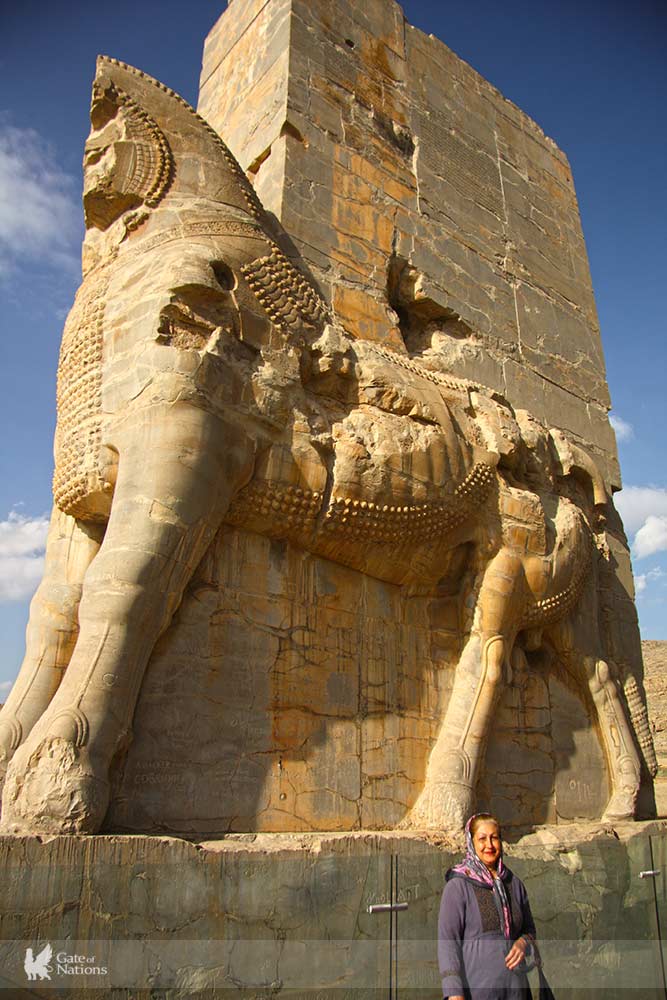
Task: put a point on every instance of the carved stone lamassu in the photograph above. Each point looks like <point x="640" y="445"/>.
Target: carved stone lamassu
<point x="204" y="388"/>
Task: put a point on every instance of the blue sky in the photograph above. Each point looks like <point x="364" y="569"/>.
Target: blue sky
<point x="592" y="75"/>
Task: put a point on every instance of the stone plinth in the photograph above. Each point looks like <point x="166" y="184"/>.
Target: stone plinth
<point x="280" y="915"/>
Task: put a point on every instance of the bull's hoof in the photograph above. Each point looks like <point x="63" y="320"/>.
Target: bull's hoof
<point x="442" y="806"/>
<point x="621" y="806"/>
<point x="53" y="788"/>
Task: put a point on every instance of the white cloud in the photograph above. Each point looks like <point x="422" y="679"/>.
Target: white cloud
<point x="642" y="581"/>
<point x="5" y="687"/>
<point x="22" y="543"/>
<point x="637" y="503"/>
<point x="39" y="210"/>
<point x="651" y="537"/>
<point x="623" y="430"/>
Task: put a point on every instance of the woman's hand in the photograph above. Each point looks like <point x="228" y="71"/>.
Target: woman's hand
<point x="516" y="954"/>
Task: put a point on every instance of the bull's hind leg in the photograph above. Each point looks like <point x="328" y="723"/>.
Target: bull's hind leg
<point x="574" y="647"/>
<point x="52" y="629"/>
<point x="448" y="796"/>
<point x="178" y="468"/>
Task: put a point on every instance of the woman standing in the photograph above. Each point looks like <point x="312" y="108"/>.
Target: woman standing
<point x="485" y="925"/>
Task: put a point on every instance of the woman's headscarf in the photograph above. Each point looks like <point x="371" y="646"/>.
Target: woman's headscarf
<point x="473" y="867"/>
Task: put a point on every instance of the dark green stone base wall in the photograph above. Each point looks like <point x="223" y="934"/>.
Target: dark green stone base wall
<point x="288" y="916"/>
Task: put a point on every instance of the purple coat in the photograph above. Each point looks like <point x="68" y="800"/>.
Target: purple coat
<point x="471" y="945"/>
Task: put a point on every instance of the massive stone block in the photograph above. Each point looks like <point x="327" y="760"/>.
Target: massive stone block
<point x="333" y="545"/>
<point x="389" y="160"/>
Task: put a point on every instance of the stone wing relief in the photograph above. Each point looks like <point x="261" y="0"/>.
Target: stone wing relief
<point x="204" y="385"/>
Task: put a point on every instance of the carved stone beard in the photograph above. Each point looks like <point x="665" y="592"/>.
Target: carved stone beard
<point x="128" y="162"/>
<point x="113" y="191"/>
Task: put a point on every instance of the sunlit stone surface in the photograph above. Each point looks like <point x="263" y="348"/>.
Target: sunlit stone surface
<point x="333" y="545"/>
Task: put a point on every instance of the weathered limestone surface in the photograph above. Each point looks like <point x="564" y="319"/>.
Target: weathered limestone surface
<point x="390" y="160"/>
<point x="333" y="544"/>
<point x="655" y="666"/>
<point x="287" y="915"/>
<point x="655" y="678"/>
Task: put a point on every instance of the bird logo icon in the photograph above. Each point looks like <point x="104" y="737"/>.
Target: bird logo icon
<point x="37" y="966"/>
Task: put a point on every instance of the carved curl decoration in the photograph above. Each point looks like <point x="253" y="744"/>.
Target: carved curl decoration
<point x="154" y="165"/>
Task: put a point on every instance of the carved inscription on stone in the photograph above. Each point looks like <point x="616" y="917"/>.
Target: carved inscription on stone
<point x="471" y="171"/>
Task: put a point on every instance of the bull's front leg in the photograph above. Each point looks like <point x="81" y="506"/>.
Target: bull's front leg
<point x="52" y="629"/>
<point x="179" y="467"/>
<point x="624" y="765"/>
<point x="448" y="795"/>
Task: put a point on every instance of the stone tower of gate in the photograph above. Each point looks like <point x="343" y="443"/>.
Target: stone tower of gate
<point x="435" y="215"/>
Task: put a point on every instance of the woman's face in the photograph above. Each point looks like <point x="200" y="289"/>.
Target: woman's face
<point x="487" y="843"/>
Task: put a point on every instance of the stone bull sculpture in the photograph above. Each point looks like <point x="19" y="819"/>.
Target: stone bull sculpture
<point x="202" y="383"/>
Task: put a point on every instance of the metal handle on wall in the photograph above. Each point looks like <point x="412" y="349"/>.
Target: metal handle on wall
<point x="386" y="907"/>
<point x="652" y="873"/>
